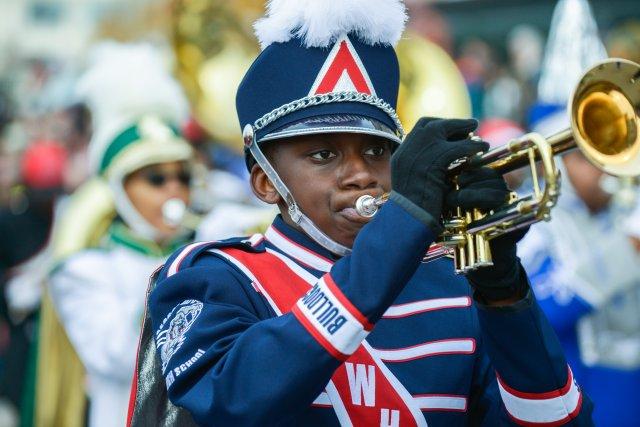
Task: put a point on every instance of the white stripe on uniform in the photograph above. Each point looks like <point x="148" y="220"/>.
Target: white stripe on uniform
<point x="542" y="408"/>
<point x="441" y="402"/>
<point x="431" y="348"/>
<point x="409" y="309"/>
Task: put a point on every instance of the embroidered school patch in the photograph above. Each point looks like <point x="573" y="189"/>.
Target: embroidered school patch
<point x="174" y="327"/>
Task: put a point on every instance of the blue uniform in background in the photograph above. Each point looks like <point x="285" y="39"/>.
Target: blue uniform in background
<point x="572" y="261"/>
<point x="614" y="391"/>
<point x="229" y="360"/>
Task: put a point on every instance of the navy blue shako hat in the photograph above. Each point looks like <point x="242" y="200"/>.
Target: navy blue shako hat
<point x="367" y="77"/>
<point x="327" y="66"/>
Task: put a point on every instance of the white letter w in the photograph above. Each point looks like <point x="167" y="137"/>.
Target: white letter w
<point x="362" y="381"/>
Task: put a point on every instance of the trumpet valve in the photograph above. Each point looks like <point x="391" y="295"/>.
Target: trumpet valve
<point x="483" y="257"/>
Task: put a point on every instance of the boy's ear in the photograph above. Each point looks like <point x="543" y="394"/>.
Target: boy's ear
<point x="262" y="186"/>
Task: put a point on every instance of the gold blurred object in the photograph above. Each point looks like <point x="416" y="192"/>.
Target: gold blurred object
<point x="60" y="398"/>
<point x="87" y="216"/>
<point x="604" y="126"/>
<point x="214" y="45"/>
<point x="430" y="82"/>
<point x="60" y="376"/>
<point x="132" y="21"/>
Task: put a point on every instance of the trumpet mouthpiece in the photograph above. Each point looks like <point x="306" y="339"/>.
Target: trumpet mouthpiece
<point x="366" y="206"/>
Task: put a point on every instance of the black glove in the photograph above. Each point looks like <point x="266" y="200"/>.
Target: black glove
<point x="485" y="189"/>
<point x="506" y="279"/>
<point x="419" y="165"/>
<point x="480" y="188"/>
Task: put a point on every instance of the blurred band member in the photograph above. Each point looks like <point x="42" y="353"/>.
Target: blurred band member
<point x="586" y="273"/>
<point x="99" y="292"/>
<point x="582" y="265"/>
<point x="137" y="200"/>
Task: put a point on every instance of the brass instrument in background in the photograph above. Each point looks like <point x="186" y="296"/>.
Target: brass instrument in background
<point x="605" y="121"/>
<point x="214" y="46"/>
<point x="430" y="82"/>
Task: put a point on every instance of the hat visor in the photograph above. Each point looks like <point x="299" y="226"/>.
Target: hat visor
<point x="334" y="123"/>
<point x="146" y="153"/>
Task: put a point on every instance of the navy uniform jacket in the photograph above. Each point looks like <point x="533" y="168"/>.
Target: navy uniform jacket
<point x="234" y="362"/>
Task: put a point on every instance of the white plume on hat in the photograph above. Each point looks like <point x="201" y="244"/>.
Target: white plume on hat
<point x="321" y="22"/>
<point x="122" y="83"/>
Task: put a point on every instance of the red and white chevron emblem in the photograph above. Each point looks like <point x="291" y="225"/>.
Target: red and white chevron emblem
<point x="343" y="71"/>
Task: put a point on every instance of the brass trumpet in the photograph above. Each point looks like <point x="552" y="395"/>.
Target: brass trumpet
<point x="605" y="120"/>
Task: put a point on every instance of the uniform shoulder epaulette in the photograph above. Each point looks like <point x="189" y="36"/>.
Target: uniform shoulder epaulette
<point x="188" y="255"/>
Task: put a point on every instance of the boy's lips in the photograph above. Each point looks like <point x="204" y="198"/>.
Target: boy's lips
<point x="346" y="205"/>
<point x="352" y="215"/>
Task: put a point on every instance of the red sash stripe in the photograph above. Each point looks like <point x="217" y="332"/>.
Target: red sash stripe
<point x="254" y="281"/>
<point x="297" y="251"/>
<point x="362" y="391"/>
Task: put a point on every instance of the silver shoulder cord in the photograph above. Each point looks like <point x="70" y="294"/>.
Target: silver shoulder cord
<point x="295" y="213"/>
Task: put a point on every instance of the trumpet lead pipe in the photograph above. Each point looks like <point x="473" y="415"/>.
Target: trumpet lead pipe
<point x="504" y="159"/>
<point x="512" y="155"/>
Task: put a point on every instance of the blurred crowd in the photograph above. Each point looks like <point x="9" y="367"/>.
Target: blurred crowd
<point x="584" y="264"/>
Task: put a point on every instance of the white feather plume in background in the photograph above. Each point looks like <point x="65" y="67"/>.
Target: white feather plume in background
<point x="122" y="83"/>
<point x="573" y="46"/>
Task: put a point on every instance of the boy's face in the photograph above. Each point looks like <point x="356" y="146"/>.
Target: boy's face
<point x="326" y="174"/>
<point x="150" y="187"/>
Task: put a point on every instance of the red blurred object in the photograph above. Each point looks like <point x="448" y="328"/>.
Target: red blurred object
<point x="43" y="165"/>
<point x="194" y="132"/>
<point x="499" y="131"/>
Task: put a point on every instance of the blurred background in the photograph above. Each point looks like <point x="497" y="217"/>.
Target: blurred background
<point x="509" y="63"/>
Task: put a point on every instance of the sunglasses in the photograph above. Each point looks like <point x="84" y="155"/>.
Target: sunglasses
<point x="159" y="179"/>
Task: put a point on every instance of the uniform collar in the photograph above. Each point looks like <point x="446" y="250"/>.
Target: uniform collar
<point x="299" y="246"/>
<point x="121" y="235"/>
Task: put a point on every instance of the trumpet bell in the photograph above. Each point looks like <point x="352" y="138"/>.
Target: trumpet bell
<point x="604" y="116"/>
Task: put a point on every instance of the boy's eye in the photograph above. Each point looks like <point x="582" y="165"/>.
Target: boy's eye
<point x="375" y="151"/>
<point x="323" y="155"/>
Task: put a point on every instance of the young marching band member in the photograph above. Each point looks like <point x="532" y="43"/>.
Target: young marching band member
<point x="134" y="203"/>
<point x="330" y="318"/>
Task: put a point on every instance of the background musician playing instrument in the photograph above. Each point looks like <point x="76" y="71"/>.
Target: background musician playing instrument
<point x="582" y="265"/>
<point x="118" y="229"/>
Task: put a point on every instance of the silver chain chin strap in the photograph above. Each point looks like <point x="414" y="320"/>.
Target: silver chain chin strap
<point x="294" y="211"/>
